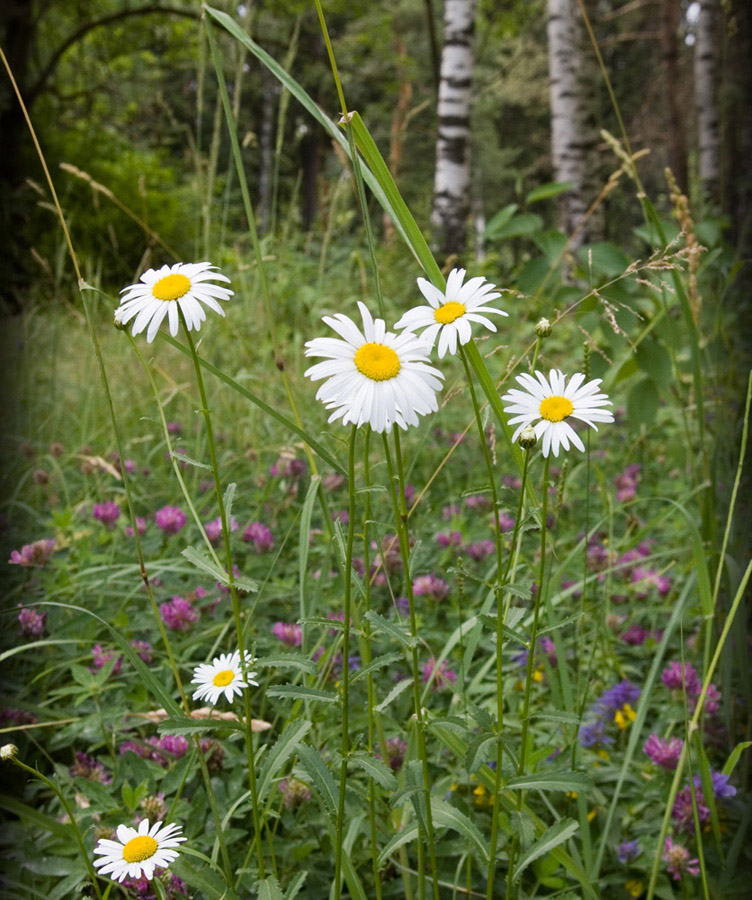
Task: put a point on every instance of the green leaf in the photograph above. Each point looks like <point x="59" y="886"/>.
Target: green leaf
<point x="282" y="750"/>
<point x="380" y="624"/>
<point x="293" y="889"/>
<point x="385" y="660"/>
<point x="603" y="258"/>
<point x="376" y="769"/>
<point x="188" y="460"/>
<point x="473" y="758"/>
<point x="398" y="688"/>
<point x="184" y="725"/>
<point x="546" y="191"/>
<point x="287" y="661"/>
<point x="519" y="226"/>
<point x="447" y="816"/>
<point x="498" y="220"/>
<point x="321" y="778"/>
<point x="228" y="499"/>
<point x="269" y="889"/>
<point x="564" y="717"/>
<point x="39" y="820"/>
<point x="734" y="758"/>
<point x="300" y="692"/>
<point x="642" y="403"/>
<point x="201" y="560"/>
<point x="551" y="837"/>
<point x="304" y="544"/>
<point x="652" y="357"/>
<point x="564" y="780"/>
<point x="205" y="879"/>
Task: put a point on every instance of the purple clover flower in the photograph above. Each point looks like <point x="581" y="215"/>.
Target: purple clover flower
<point x="430" y="586"/>
<point x="31" y="621"/>
<point x="664" y="752"/>
<point x="31" y="555"/>
<point x="480" y="550"/>
<point x="289" y="633"/>
<point x="178" y="614"/>
<point x="90" y="768"/>
<point x="259" y="536"/>
<point x="453" y="539"/>
<point x="676" y="675"/>
<point x="107" y="513"/>
<point x="213" y="529"/>
<point x="170" y="519"/>
<point x="141" y="524"/>
<point x="102" y="657"/>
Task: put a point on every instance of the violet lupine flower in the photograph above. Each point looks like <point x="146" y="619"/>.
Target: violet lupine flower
<point x="289" y="633"/>
<point x="214" y="529"/>
<point x="628" y="851"/>
<point x="102" y="657"/>
<point x="259" y="535"/>
<point x="621" y="694"/>
<point x="430" y="586"/>
<point x="170" y="519"/>
<point x="31" y="621"/>
<point x="30" y="555"/>
<point x="178" y="614"/>
<point x="480" y="550"/>
<point x="594" y="733"/>
<point x="90" y="768"/>
<point x="402" y="604"/>
<point x="144" y="650"/>
<point x="645" y="578"/>
<point x="453" y="539"/>
<point x="107" y="513"/>
<point x="677" y="859"/>
<point x="664" y="752"/>
<point x="676" y="675"/>
<point x="721" y="788"/>
<point x="441" y="676"/>
<point x="141" y="524"/>
<point x="682" y="811"/>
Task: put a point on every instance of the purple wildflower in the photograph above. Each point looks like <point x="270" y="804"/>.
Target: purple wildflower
<point x="677" y="674"/>
<point x="480" y="550"/>
<point x="430" y="586"/>
<point x="143" y="648"/>
<point x="622" y="693"/>
<point x="664" y="752"/>
<point x="635" y="635"/>
<point x="450" y="511"/>
<point x="102" y="657"/>
<point x="107" y="513"/>
<point x="294" y="791"/>
<point x="628" y="851"/>
<point x="333" y="482"/>
<point x="645" y="578"/>
<point x="36" y="554"/>
<point x="441" y="676"/>
<point x="260" y="536"/>
<point x="89" y="768"/>
<point x="31" y="621"/>
<point x="289" y="633"/>
<point x="178" y="614"/>
<point x="506" y="522"/>
<point x="140" y="526"/>
<point x="170" y="519"/>
<point x="167" y="748"/>
<point x="477" y="501"/>
<point x="174" y="428"/>
<point x="396" y="749"/>
<point x="214" y="529"/>
<point x="677" y="859"/>
<point x="682" y="811"/>
<point x="453" y="539"/>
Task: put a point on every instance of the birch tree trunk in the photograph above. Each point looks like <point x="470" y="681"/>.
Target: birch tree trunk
<point x="706" y="98"/>
<point x="567" y="125"/>
<point x="451" y="195"/>
<point x="676" y="144"/>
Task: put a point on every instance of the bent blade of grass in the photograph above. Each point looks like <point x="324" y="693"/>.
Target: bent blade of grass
<point x="283" y="420"/>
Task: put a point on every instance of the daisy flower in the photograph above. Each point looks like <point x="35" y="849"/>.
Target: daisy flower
<point x="136" y="853"/>
<point x="162" y="292"/>
<point x="547" y="403"/>
<point x="223" y="675"/>
<point x="373" y="376"/>
<point x="449" y="314"/>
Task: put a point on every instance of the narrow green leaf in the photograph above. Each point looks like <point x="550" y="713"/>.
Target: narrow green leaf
<point x="398" y="688"/>
<point x="385" y="660"/>
<point x="287" y="661"/>
<point x="229" y="498"/>
<point x="184" y="725"/>
<point x="278" y="755"/>
<point x="376" y="769"/>
<point x="734" y="758"/>
<point x="188" y="460"/>
<point x="269" y="889"/>
<point x="321" y="778"/>
<point x="551" y="838"/>
<point x="473" y="758"/>
<point x="293" y="889"/>
<point x="380" y="624"/>
<point x="546" y="191"/>
<point x="564" y="780"/>
<point x="447" y="816"/>
<point x="205" y="879"/>
<point x="300" y="692"/>
<point x="303" y="548"/>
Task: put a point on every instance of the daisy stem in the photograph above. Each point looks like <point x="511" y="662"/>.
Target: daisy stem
<point x="367" y="657"/>
<point x="499" y="633"/>
<point x="345" y="747"/>
<point x="69" y="810"/>
<point x="513" y="889"/>
<point x="400" y="513"/>
<point x="535" y="354"/>
<point x="233" y="594"/>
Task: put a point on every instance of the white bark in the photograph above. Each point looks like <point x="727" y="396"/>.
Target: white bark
<point x="567" y="125"/>
<point x="451" y="196"/>
<point x="706" y="98"/>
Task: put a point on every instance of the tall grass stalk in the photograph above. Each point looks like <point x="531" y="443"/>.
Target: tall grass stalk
<point x="345" y="742"/>
<point x="257" y="820"/>
<point x="397" y="490"/>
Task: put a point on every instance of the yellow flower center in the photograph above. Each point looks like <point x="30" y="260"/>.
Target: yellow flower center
<point x="450" y="311"/>
<point x="140" y="848"/>
<point x="223" y="678"/>
<point x="377" y="362"/>
<point x="171" y="287"/>
<point x="556" y="408"/>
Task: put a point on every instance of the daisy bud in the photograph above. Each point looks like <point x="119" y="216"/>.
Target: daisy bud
<point x="8" y="751"/>
<point x="527" y="438"/>
<point x="117" y="322"/>
<point x="543" y="328"/>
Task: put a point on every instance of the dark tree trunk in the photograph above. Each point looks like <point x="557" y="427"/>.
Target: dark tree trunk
<point x="310" y="149"/>
<point x="676" y="140"/>
<point x="266" y="146"/>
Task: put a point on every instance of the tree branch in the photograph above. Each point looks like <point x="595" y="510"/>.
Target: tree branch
<point x="81" y="32"/>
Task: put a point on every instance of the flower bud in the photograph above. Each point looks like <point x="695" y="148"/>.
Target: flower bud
<point x="117" y="322"/>
<point x="8" y="751"/>
<point x="527" y="438"/>
<point x="543" y="328"/>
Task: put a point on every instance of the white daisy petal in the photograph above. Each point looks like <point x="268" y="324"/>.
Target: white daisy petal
<point x="184" y="286"/>
<point x="548" y="402"/>
<point x="137" y="853"/>
<point x="224" y="675"/>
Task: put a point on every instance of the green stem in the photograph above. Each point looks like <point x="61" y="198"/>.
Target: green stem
<point x="400" y="513"/>
<point x="233" y="594"/>
<point x="345" y="746"/>
<point x="69" y="810"/>
<point x="513" y="890"/>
